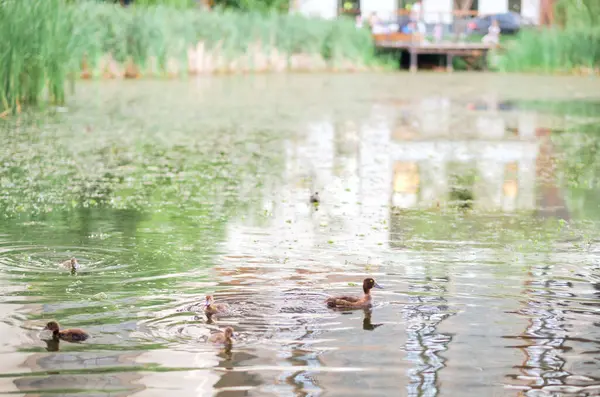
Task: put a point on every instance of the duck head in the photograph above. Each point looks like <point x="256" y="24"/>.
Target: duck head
<point x="370" y="283"/>
<point x="208" y="301"/>
<point x="229" y="333"/>
<point x="52" y="326"/>
<point x="74" y="264"/>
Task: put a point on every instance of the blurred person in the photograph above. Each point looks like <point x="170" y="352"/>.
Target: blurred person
<point x="373" y="20"/>
<point x="416" y="11"/>
<point x="493" y="35"/>
<point x="438" y="32"/>
<point x="409" y="28"/>
<point x="359" y="21"/>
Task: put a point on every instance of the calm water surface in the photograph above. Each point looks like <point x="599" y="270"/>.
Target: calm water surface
<point x="473" y="199"/>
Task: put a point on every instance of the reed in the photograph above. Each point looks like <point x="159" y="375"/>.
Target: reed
<point x="554" y="50"/>
<point x="46" y="41"/>
<point x="35" y="52"/>
<point x="572" y="45"/>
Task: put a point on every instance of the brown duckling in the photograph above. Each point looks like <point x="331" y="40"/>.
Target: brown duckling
<point x="355" y="301"/>
<point x="222" y="337"/>
<point x="70" y="335"/>
<point x="314" y="198"/>
<point x="71" y="265"/>
<point x="214" y="308"/>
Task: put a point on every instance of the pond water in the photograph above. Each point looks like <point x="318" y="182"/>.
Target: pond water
<point x="471" y="198"/>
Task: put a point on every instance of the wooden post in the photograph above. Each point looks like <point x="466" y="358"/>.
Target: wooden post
<point x="546" y="12"/>
<point x="413" y="60"/>
<point x="484" y="58"/>
<point x="449" y="58"/>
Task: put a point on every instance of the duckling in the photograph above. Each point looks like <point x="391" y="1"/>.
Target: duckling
<point x="222" y="337"/>
<point x="71" y="265"/>
<point x="70" y="335"/>
<point x="214" y="308"/>
<point x="355" y="301"/>
<point x="314" y="198"/>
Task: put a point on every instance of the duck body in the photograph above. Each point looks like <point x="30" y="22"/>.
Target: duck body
<point x="214" y="308"/>
<point x="69" y="335"/>
<point x="222" y="337"/>
<point x="349" y="301"/>
<point x="358" y="302"/>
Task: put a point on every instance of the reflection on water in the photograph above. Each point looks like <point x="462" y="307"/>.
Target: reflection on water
<point x="459" y="209"/>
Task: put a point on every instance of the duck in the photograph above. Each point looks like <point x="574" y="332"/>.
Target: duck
<point x="214" y="308"/>
<point x="222" y="337"/>
<point x="314" y="198"/>
<point x="70" y="335"/>
<point x="354" y="301"/>
<point x="71" y="265"/>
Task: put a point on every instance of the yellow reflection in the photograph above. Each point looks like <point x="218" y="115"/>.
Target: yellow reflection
<point x="403" y="134"/>
<point x="406" y="177"/>
<point x="510" y="187"/>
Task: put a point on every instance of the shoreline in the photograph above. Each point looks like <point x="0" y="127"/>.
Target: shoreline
<point x="215" y="64"/>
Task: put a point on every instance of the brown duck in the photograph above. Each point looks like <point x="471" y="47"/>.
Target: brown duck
<point x="355" y="301"/>
<point x="210" y="307"/>
<point x="71" y="265"/>
<point x="70" y="335"/>
<point x="315" y="199"/>
<point x="222" y="337"/>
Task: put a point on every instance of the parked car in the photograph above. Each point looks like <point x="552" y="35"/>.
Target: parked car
<point x="509" y="22"/>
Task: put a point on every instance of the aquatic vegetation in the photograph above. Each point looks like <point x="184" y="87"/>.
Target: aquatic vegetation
<point x="48" y="170"/>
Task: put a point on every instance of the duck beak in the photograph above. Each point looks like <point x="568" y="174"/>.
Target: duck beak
<point x="377" y="285"/>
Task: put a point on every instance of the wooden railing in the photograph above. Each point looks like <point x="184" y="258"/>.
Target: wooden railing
<point x="398" y="37"/>
<point x="403" y="12"/>
<point x="452" y="26"/>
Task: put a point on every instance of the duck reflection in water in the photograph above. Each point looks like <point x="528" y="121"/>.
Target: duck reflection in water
<point x="209" y="318"/>
<point x="226" y="354"/>
<point x="367" y="323"/>
<point x="53" y="344"/>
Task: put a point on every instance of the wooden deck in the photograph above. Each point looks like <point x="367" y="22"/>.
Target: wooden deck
<point x="415" y="44"/>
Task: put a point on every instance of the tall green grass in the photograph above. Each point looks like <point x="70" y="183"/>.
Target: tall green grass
<point x="577" y="13"/>
<point x="45" y="41"/>
<point x="35" y="51"/>
<point x="553" y="50"/>
<point x="572" y="45"/>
